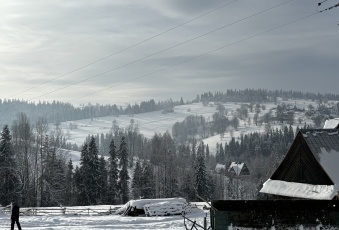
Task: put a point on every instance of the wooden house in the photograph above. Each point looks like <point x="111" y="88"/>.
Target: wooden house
<point x="310" y="169"/>
<point x="238" y="169"/>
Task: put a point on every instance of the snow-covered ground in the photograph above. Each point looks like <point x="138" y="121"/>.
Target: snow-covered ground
<point x="102" y="222"/>
<point x="148" y="123"/>
<point x="152" y="122"/>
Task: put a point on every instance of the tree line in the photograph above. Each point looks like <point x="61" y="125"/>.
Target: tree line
<point x="37" y="171"/>
<point x="262" y="95"/>
<point x="56" y="111"/>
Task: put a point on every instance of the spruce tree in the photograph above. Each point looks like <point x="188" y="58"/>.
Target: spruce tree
<point x="102" y="181"/>
<point x="45" y="171"/>
<point x="148" y="183"/>
<point x="123" y="174"/>
<point x="112" y="174"/>
<point x="69" y="190"/>
<point x="137" y="181"/>
<point x="187" y="187"/>
<point x="208" y="156"/>
<point x="8" y="173"/>
<point x="201" y="180"/>
<point x="78" y="186"/>
<point x="84" y="177"/>
<point x="57" y="183"/>
<point x="93" y="185"/>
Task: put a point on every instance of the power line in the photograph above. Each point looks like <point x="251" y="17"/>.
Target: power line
<point x="329" y="8"/>
<point x="161" y="51"/>
<point x="197" y="56"/>
<point x="125" y="49"/>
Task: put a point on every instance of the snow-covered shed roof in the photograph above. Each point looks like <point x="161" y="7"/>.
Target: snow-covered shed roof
<point x="238" y="168"/>
<point x="299" y="190"/>
<point x="331" y="123"/>
<point x="310" y="169"/>
<point x="220" y="167"/>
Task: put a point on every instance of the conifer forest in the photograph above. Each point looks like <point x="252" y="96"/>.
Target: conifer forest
<point x="123" y="164"/>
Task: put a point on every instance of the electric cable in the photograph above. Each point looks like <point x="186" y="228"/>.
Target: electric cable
<point x="161" y="51"/>
<point x="125" y="49"/>
<point x="197" y="56"/>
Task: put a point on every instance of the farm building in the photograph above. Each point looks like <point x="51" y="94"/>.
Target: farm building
<point x="310" y="168"/>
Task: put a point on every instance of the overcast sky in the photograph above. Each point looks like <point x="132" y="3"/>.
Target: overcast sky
<point x="45" y="46"/>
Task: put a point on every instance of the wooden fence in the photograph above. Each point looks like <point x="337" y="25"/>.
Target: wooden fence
<point x="27" y="211"/>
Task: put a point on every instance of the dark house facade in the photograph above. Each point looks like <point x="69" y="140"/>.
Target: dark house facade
<point x="310" y="169"/>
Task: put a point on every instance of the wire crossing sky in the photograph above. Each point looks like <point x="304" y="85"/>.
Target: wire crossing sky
<point x="161" y="51"/>
<point x="127" y="48"/>
<point x="42" y="42"/>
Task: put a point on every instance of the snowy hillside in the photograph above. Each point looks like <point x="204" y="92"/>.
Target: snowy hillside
<point x="157" y="122"/>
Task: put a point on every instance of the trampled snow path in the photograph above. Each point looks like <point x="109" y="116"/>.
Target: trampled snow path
<point x="73" y="222"/>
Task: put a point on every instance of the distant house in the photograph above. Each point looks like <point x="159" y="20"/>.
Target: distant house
<point x="332" y="124"/>
<point x="310" y="169"/>
<point x="238" y="169"/>
<point x="220" y="168"/>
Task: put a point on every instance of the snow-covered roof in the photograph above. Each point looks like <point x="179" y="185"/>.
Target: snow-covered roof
<point x="139" y="204"/>
<point x="237" y="167"/>
<point x="331" y="123"/>
<point x="299" y="190"/>
<point x="329" y="160"/>
<point x="220" y="167"/>
<point x="325" y="147"/>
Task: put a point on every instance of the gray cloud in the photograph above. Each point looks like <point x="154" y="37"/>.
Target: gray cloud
<point x="42" y="40"/>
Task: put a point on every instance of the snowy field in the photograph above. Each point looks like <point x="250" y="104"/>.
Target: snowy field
<point x="102" y="222"/>
<point x="152" y="122"/>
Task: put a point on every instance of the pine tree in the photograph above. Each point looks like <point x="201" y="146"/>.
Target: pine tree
<point x="78" y="186"/>
<point x="102" y="181"/>
<point x="148" y="183"/>
<point x="53" y="175"/>
<point x="137" y="181"/>
<point x="222" y="154"/>
<point x="187" y="187"/>
<point x="45" y="170"/>
<point x="201" y="180"/>
<point x="208" y="156"/>
<point x="83" y="179"/>
<point x="112" y="174"/>
<point x="172" y="186"/>
<point x="69" y="190"/>
<point x="93" y="185"/>
<point x="9" y="180"/>
<point x="123" y="174"/>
